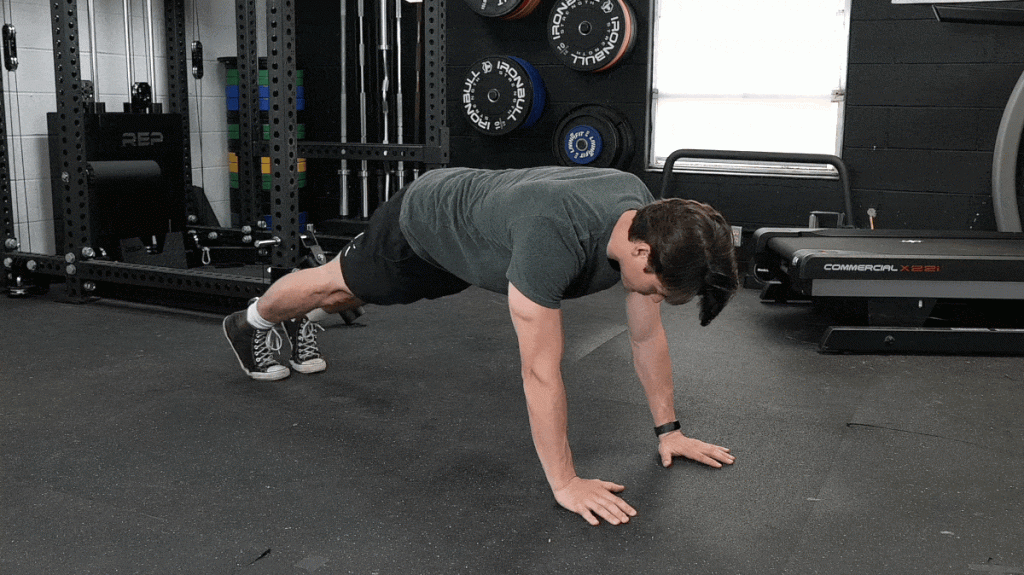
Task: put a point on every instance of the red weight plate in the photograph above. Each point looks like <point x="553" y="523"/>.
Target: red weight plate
<point x="629" y="33"/>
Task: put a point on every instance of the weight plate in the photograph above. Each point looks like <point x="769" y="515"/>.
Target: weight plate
<point x="501" y="94"/>
<point x="583" y="144"/>
<point x="578" y="121"/>
<point x="624" y="154"/>
<point x="575" y="139"/>
<point x="493" y="8"/>
<point x="525" y="9"/>
<point x="590" y="35"/>
<point x="625" y="157"/>
<point x="539" y="93"/>
<point x="627" y="46"/>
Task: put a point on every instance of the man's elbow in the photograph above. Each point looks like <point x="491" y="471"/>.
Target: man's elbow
<point x="647" y="337"/>
<point x="539" y="378"/>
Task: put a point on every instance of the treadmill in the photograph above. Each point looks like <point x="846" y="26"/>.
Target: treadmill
<point x="920" y="292"/>
<point x="892" y="291"/>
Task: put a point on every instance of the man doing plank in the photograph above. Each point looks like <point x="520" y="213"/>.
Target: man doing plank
<point x="541" y="235"/>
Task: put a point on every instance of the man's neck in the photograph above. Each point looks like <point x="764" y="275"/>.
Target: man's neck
<point x="618" y="245"/>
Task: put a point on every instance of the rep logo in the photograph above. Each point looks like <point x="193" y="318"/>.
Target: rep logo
<point x="141" y="139"/>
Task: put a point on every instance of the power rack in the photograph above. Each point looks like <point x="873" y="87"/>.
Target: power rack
<point x="86" y="276"/>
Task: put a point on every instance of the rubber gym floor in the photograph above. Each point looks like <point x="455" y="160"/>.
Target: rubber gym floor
<point x="131" y="442"/>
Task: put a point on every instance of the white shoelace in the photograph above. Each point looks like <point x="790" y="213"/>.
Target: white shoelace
<point x="266" y="343"/>
<point x="307" y="340"/>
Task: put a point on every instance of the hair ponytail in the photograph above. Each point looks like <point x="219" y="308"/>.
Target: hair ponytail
<point x="717" y="290"/>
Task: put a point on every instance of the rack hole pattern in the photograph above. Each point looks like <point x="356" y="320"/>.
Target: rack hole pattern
<point x="67" y="77"/>
<point x="283" y="98"/>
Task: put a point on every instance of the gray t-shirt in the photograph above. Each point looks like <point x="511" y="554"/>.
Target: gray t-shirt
<point x="544" y="230"/>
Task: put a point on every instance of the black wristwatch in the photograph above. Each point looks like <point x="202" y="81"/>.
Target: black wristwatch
<point x="667" y="428"/>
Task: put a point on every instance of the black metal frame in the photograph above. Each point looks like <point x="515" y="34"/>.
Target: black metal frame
<point x="177" y="82"/>
<point x="7" y="231"/>
<point x="84" y="276"/>
<point x="778" y="157"/>
<point x="249" y="128"/>
<point x="283" y="131"/>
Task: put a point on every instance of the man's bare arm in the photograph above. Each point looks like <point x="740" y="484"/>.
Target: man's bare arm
<point x="654" y="368"/>
<point x="541" y="344"/>
<point x="650" y="355"/>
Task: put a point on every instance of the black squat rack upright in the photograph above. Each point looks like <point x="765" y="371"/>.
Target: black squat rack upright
<point x="87" y="275"/>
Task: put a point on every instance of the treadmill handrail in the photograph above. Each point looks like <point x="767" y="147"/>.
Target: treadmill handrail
<point x="792" y="158"/>
<point x="1004" y="161"/>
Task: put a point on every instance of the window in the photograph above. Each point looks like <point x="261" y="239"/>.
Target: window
<point x="749" y="75"/>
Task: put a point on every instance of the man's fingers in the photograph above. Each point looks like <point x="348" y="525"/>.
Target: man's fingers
<point x="705" y="453"/>
<point x="618" y="506"/>
<point x="613" y="512"/>
<point x="722" y="455"/>
<point x="617" y="503"/>
<point x="613" y="487"/>
<point x="613" y="518"/>
<point x="595" y="500"/>
<point x="716" y="458"/>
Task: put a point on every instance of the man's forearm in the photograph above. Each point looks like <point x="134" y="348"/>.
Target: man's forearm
<point x="654" y="368"/>
<point x="650" y="356"/>
<point x="548" y="411"/>
<point x="541" y="342"/>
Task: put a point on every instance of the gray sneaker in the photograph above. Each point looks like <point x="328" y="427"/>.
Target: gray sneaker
<point x="255" y="348"/>
<point x="306" y="356"/>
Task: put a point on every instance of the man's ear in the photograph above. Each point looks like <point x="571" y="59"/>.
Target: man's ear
<point x="642" y="252"/>
<point x="640" y="248"/>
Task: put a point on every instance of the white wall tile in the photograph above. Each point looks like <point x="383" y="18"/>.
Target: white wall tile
<point x="29" y="96"/>
<point x="26" y="112"/>
<point x="30" y="204"/>
<point x="34" y="73"/>
<point x="28" y="158"/>
<point x="37" y="237"/>
<point x="223" y="211"/>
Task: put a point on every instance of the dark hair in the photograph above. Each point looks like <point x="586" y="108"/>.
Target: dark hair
<point x="692" y="252"/>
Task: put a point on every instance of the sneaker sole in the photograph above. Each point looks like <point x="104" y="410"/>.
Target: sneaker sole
<point x="316" y="368"/>
<point x="257" y="375"/>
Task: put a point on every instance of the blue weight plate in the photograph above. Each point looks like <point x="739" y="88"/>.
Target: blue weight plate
<point x="583" y="144"/>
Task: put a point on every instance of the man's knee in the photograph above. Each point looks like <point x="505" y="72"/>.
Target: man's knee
<point x="340" y="302"/>
<point x="337" y="293"/>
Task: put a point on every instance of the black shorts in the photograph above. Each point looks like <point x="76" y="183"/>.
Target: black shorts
<point x="380" y="267"/>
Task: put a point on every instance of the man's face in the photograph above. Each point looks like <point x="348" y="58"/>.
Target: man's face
<point x="637" y="277"/>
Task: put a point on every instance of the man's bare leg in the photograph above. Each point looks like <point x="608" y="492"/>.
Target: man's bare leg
<point x="294" y="295"/>
<point x="300" y="292"/>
